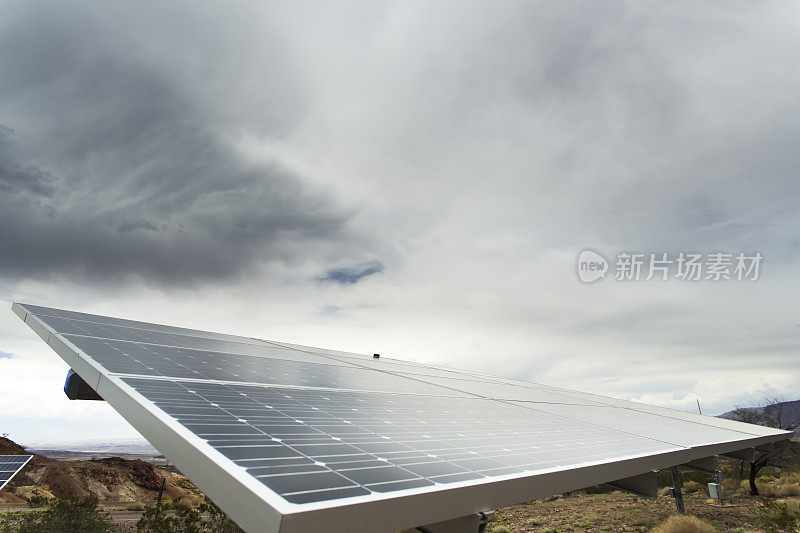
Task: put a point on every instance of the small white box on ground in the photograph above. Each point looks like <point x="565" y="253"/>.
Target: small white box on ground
<point x="715" y="491"/>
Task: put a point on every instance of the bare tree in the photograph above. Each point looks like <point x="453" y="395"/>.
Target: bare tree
<point x="772" y="412"/>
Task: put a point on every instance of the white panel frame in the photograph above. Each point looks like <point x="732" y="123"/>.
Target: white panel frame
<point x="256" y="508"/>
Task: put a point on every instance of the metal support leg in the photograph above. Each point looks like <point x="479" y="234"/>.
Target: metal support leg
<point x="721" y="489"/>
<point x="475" y="523"/>
<point x="483" y="520"/>
<point x="676" y="488"/>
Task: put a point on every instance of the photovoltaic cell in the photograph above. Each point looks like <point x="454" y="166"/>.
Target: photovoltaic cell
<point x="126" y="357"/>
<point x="304" y="429"/>
<point x="373" y="440"/>
<point x="10" y="465"/>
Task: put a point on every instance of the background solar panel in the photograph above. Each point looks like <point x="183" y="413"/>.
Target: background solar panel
<point x="10" y="465"/>
<point x="307" y="429"/>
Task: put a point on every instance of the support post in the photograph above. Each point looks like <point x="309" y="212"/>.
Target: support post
<point x="475" y="523"/>
<point x="676" y="488"/>
<point x="161" y="490"/>
<point x="719" y="476"/>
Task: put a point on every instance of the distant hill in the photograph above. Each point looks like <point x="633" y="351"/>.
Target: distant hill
<point x="790" y="414"/>
<point x="113" y="480"/>
<point x="94" y="447"/>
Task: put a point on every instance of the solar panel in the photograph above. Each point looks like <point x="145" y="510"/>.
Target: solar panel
<point x="294" y="438"/>
<point x="10" y="465"/>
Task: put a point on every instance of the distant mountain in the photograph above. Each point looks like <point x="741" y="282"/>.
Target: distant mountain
<point x="790" y="414"/>
<point x="94" y="447"/>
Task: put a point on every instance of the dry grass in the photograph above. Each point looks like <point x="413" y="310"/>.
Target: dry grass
<point x="183" y="504"/>
<point x="692" y="486"/>
<point x="793" y="506"/>
<point x="684" y="524"/>
<point x="618" y="511"/>
<point x="777" y="490"/>
<point x="785" y="491"/>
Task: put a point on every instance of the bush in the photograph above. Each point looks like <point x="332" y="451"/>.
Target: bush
<point x="158" y="519"/>
<point x="63" y="515"/>
<point x="684" y="524"/>
<point x="692" y="486"/>
<point x="183" y="504"/>
<point x="37" y="500"/>
<point x="785" y="491"/>
<point x="177" y="517"/>
<point x="775" y="490"/>
<point x="775" y="516"/>
<point x="217" y="521"/>
<point x="600" y="489"/>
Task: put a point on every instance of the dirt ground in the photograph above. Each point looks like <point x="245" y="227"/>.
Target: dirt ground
<point x="620" y="511"/>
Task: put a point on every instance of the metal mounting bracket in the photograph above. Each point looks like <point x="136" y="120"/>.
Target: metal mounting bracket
<point x="77" y="389"/>
<point x="645" y="485"/>
<point x="706" y="464"/>
<point x="747" y="454"/>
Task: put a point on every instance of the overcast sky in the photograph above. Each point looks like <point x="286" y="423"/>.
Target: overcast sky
<point x="410" y="178"/>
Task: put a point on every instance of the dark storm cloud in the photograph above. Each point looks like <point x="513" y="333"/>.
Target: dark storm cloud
<point x="117" y="154"/>
<point x="137" y="225"/>
<point x="352" y="275"/>
<point x="18" y="179"/>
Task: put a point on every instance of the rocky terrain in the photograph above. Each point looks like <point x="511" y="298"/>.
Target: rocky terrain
<point x="117" y="482"/>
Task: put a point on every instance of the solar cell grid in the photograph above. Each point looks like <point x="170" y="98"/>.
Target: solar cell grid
<point x="126" y="357"/>
<point x="658" y="426"/>
<point x="10" y="465"/>
<point x="46" y="312"/>
<point x="360" y="436"/>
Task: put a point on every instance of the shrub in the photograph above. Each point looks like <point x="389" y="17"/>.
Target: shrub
<point x="793" y="505"/>
<point x="183" y="504"/>
<point x="775" y="516"/>
<point x="156" y="519"/>
<point x="63" y="515"/>
<point x="217" y="521"/>
<point x="684" y="524"/>
<point x="37" y="500"/>
<point x="692" y="486"/>
<point x="785" y="491"/>
<point x="775" y="490"/>
<point x="178" y="518"/>
<point x="600" y="489"/>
